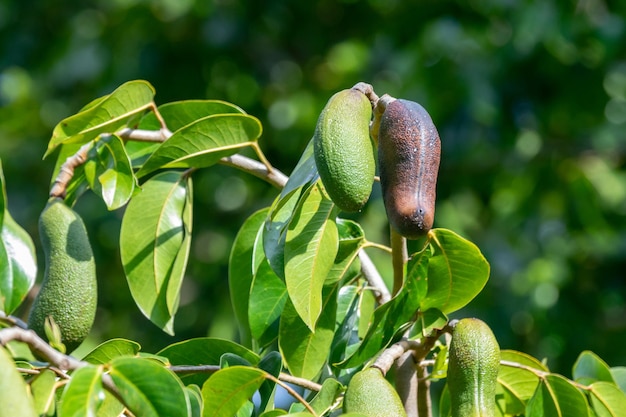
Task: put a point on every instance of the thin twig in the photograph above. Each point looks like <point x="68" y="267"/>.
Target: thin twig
<point x="373" y="277"/>
<point x="292" y="392"/>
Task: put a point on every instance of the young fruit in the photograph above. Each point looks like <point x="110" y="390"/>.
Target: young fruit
<point x="409" y="151"/>
<point x="370" y="394"/>
<point x="344" y="152"/>
<point x="69" y="289"/>
<point x="473" y="369"/>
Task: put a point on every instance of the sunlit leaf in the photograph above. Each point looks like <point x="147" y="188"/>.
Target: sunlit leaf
<point x="203" y="351"/>
<point x="18" y="264"/>
<point x="43" y="388"/>
<point x="155" y="239"/>
<point x="203" y="142"/>
<point x="457" y="272"/>
<point x="178" y="114"/>
<point x="105" y="115"/>
<point x="83" y="394"/>
<point x="148" y="389"/>
<point x="310" y="248"/>
<point x="607" y="399"/>
<point x="619" y="375"/>
<point x="306" y="351"/>
<point x="113" y="348"/>
<point x="227" y="390"/>
<point x="589" y="368"/>
<point x="14" y="395"/>
<point x="242" y="267"/>
<point x="519" y="382"/>
<point x="555" y="396"/>
<point x="109" y="173"/>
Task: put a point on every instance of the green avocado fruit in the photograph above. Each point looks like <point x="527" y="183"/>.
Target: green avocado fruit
<point x="473" y="369"/>
<point x="344" y="151"/>
<point x="370" y="394"/>
<point x="69" y="289"/>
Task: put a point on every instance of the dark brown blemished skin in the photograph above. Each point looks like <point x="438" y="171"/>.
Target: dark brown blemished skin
<point x="409" y="151"/>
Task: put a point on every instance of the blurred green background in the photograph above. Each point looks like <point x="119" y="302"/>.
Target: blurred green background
<point x="529" y="98"/>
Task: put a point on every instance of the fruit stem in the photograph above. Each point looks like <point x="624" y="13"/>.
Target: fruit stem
<point x="399" y="257"/>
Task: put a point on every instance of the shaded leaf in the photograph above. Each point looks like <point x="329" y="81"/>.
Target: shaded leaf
<point x="155" y="240"/>
<point x="43" y="387"/>
<point x="555" y="396"/>
<point x="203" y="142"/>
<point x="272" y="363"/>
<point x="310" y="248"/>
<point x="267" y="300"/>
<point x="148" y="389"/>
<point x="619" y="375"/>
<point x="227" y="390"/>
<point x="457" y="272"/>
<point x="104" y="115"/>
<point x="109" y="173"/>
<point x="590" y="368"/>
<point x="14" y="395"/>
<point x="242" y="267"/>
<point x="194" y="393"/>
<point x="82" y="395"/>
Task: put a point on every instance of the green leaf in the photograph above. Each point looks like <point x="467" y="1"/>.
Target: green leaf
<point x="619" y="375"/>
<point x="272" y="363"/>
<point x="178" y="114"/>
<point x="305" y="351"/>
<point x="14" y="395"/>
<point x="589" y="368"/>
<point x="194" y="393"/>
<point x="204" y="351"/>
<point x="18" y="264"/>
<point x="109" y="173"/>
<point x="148" y="389"/>
<point x="351" y="240"/>
<point x="155" y="240"/>
<point x="518" y="382"/>
<point x="3" y="195"/>
<point x="302" y="178"/>
<point x="427" y="322"/>
<point x="607" y="399"/>
<point x="43" y="387"/>
<point x="327" y="396"/>
<point x="555" y="396"/>
<point x="267" y="301"/>
<point x="227" y="390"/>
<point x="82" y="395"/>
<point x="105" y="115"/>
<point x="457" y="272"/>
<point x="242" y="267"/>
<point x="203" y="142"/>
<point x="114" y="348"/>
<point x="310" y="248"/>
<point x="274" y="413"/>
<point x="390" y="319"/>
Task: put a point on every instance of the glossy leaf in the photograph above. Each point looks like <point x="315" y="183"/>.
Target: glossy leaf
<point x="305" y="351"/>
<point x="267" y="300"/>
<point x="457" y="272"/>
<point x="351" y="240"/>
<point x="194" y="393"/>
<point x="18" y="264"/>
<point x="555" y="396"/>
<point x="43" y="388"/>
<point x="518" y="382"/>
<point x="155" y="240"/>
<point x="310" y="248"/>
<point x="83" y="394"/>
<point x="302" y="178"/>
<point x="113" y="348"/>
<point x="178" y="114"/>
<point x="148" y="389"/>
<point x="327" y="396"/>
<point x="109" y="173"/>
<point x="227" y="390"/>
<point x="203" y="351"/>
<point x="390" y="319"/>
<point x="272" y="363"/>
<point x="105" y="115"/>
<point x="14" y="395"/>
<point x="590" y="368"/>
<point x="204" y="142"/>
<point x="607" y="399"/>
<point x="242" y="267"/>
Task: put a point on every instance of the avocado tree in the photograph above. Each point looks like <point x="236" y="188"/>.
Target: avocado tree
<point x="318" y="322"/>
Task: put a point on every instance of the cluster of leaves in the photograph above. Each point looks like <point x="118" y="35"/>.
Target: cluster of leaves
<point x="304" y="302"/>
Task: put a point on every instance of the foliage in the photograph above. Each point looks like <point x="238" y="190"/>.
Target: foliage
<point x="309" y="308"/>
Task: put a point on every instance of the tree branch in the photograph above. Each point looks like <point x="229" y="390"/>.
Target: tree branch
<point x="374" y="278"/>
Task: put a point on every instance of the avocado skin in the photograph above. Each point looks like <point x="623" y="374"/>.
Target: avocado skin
<point x="344" y="152"/>
<point x="370" y="394"/>
<point x="69" y="289"/>
<point x="473" y="369"/>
